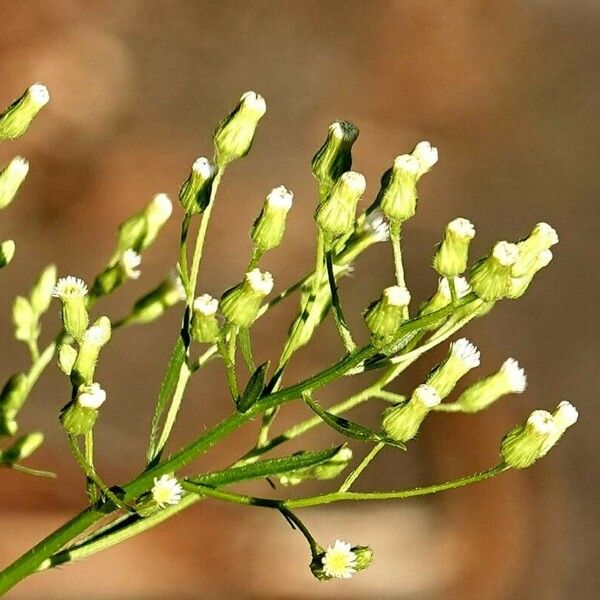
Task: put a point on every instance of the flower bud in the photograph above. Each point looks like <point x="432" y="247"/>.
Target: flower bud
<point x="519" y="285"/>
<point x="384" y="316"/>
<point x="330" y="469"/>
<point x="94" y="338"/>
<point x="528" y="442"/>
<point x="491" y="277"/>
<point x="364" y="557"/>
<point x="443" y="297"/>
<point x="71" y="292"/>
<point x="91" y="396"/>
<point x="402" y="422"/>
<point x="541" y="238"/>
<point x="15" y="120"/>
<point x="397" y="197"/>
<point x="79" y="416"/>
<point x="564" y="416"/>
<point x="141" y="229"/>
<point x="205" y="327"/>
<point x="23" y="448"/>
<point x="195" y="193"/>
<point x="240" y="304"/>
<point x="67" y="355"/>
<point x="7" y="251"/>
<point x="235" y="134"/>
<point x="117" y="273"/>
<point x="11" y="178"/>
<point x="335" y="156"/>
<point x="427" y="155"/>
<point x="268" y="229"/>
<point x="510" y="379"/>
<point x="452" y="254"/>
<point x="25" y="320"/>
<point x="151" y="306"/>
<point x="336" y="214"/>
<point x="463" y="357"/>
<point x="13" y="396"/>
<point x="41" y="293"/>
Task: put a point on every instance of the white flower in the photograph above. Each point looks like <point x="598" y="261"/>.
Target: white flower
<point x="565" y="415"/>
<point x="407" y="163"/>
<point x="70" y="287"/>
<point x="203" y="167"/>
<point x="542" y="422"/>
<point x="460" y="283"/>
<point x="91" y="396"/>
<point x="206" y="304"/>
<point x="377" y="226"/>
<point x="163" y="206"/>
<point x="466" y="352"/>
<point x="354" y="182"/>
<point x="397" y="296"/>
<point x="427" y="155"/>
<point x="426" y="395"/>
<point x="255" y="102"/>
<point x="280" y="197"/>
<point x="505" y="253"/>
<point x="166" y="491"/>
<point x="38" y="93"/>
<point x="514" y="375"/>
<point x="260" y="282"/>
<point x="17" y="168"/>
<point x="130" y="261"/>
<point x="339" y="560"/>
<point x="462" y="228"/>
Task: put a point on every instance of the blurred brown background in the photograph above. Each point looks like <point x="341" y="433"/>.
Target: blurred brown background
<point x="508" y="91"/>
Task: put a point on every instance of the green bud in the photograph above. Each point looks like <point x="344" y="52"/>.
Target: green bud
<point x="526" y="443"/>
<point x="13" y="395"/>
<point x="452" y="255"/>
<point x="205" y="327"/>
<point x="15" y="120"/>
<point x="402" y="422"/>
<point x="491" y="276"/>
<point x="77" y="419"/>
<point x="240" y="304"/>
<point x="41" y="293"/>
<point x="268" y="229"/>
<point x="23" y="448"/>
<point x="519" y="285"/>
<point x="117" y="273"/>
<point x="72" y="293"/>
<point x="427" y="155"/>
<point x="151" y="306"/>
<point x="92" y="341"/>
<point x="510" y="379"/>
<point x="397" y="197"/>
<point x="234" y="135"/>
<point x="11" y="178"/>
<point x="66" y="358"/>
<point x="25" y="320"/>
<point x="364" y="557"/>
<point x="384" y="316"/>
<point x="541" y="238"/>
<point x="8" y="426"/>
<point x="7" y="251"/>
<point x="141" y="229"/>
<point x="463" y="357"/>
<point x="335" y="155"/>
<point x="330" y="469"/>
<point x="195" y="193"/>
<point x="443" y="297"/>
<point x="336" y="214"/>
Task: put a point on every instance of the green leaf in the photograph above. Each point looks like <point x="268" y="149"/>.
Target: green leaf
<point x="254" y="388"/>
<point x="167" y="389"/>
<point x="264" y="468"/>
<point x="349" y="428"/>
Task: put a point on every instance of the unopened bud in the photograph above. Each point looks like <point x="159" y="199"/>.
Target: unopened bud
<point x="427" y="155"/>
<point x="397" y="197"/>
<point x="452" y="254"/>
<point x="402" y="422"/>
<point x="364" y="557"/>
<point x="11" y="178"/>
<point x="195" y="193"/>
<point x="13" y="395"/>
<point x="384" y="316"/>
<point x="541" y="238"/>
<point x="564" y="417"/>
<point x="528" y="442"/>
<point x="336" y="214"/>
<point x="519" y="285"/>
<point x="15" y="120"/>
<point x="72" y="293"/>
<point x="205" y="327"/>
<point x="7" y="251"/>
<point x="67" y="355"/>
<point x="443" y="297"/>
<point x="41" y="293"/>
<point x="154" y="304"/>
<point x="491" y="277"/>
<point x="235" y="134"/>
<point x="510" y="379"/>
<point x="91" y="396"/>
<point x="330" y="469"/>
<point x="117" y="273"/>
<point x="91" y="343"/>
<point x="463" y="357"/>
<point x="268" y="229"/>
<point x="23" y="448"/>
<point x="240" y="304"/>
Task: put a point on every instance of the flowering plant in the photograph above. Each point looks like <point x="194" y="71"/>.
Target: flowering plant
<point x="400" y="332"/>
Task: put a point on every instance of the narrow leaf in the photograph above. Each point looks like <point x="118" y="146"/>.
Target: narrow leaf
<point x="254" y="388"/>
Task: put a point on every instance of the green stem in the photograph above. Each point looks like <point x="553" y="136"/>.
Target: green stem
<point x="227" y="346"/>
<point x="395" y="234"/>
<point x="88" y="455"/>
<point x="361" y="467"/>
<point x="338" y="313"/>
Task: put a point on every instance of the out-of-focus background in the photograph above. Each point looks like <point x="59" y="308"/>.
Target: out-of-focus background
<point x="507" y="90"/>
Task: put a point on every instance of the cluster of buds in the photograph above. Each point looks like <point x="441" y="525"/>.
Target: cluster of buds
<point x="384" y="316"/>
<point x="532" y="440"/>
<point x="17" y="118"/>
<point x="268" y="229"/>
<point x="235" y="134"/>
<point x="195" y="193"/>
<point x="462" y="357"/>
<point x="240" y="304"/>
<point x="340" y="560"/>
<point x="402" y="422"/>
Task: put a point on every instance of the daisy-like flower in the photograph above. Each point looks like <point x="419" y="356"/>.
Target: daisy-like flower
<point x="339" y="561"/>
<point x="91" y="396"/>
<point x="466" y="352"/>
<point x="166" y="491"/>
<point x="70" y="287"/>
<point x="130" y="261"/>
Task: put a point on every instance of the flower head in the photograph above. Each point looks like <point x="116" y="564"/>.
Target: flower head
<point x="280" y="197"/>
<point x="206" y="304"/>
<point x="514" y="375"/>
<point x="339" y="561"/>
<point x="166" y="491"/>
<point x="260" y="282"/>
<point x="91" y="396"/>
<point x="377" y="226"/>
<point x="427" y="155"/>
<point x="130" y="261"/>
<point x="70" y="287"/>
<point x="466" y="352"/>
<point x="39" y="94"/>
